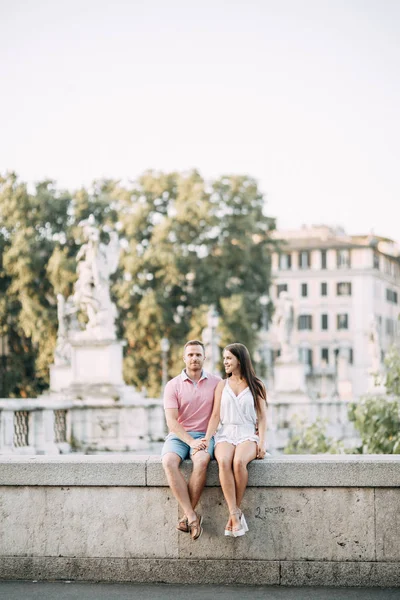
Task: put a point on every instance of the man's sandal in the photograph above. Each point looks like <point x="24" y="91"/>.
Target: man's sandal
<point x="195" y="528"/>
<point x="183" y="525"/>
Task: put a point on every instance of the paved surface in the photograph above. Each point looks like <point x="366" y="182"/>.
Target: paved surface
<point x="26" y="590"/>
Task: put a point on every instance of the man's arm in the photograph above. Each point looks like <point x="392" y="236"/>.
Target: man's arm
<point x="171" y="416"/>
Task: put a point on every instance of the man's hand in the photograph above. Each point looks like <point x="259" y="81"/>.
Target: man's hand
<point x="197" y="445"/>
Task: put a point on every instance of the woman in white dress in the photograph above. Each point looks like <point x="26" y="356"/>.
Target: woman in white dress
<point x="240" y="410"/>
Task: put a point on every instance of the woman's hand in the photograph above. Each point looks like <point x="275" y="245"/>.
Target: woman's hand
<point x="197" y="445"/>
<point x="202" y="444"/>
<point x="260" y="451"/>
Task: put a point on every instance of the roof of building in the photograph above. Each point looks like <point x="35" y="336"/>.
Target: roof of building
<point x="325" y="237"/>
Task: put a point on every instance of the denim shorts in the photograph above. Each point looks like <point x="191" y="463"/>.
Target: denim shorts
<point x="174" y="444"/>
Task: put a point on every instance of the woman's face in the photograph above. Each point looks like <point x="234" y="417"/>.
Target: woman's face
<point x="231" y="363"/>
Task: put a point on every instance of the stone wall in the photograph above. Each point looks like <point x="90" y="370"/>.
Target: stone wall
<point x="325" y="520"/>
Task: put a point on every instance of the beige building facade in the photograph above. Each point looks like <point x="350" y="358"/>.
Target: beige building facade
<point x="342" y="287"/>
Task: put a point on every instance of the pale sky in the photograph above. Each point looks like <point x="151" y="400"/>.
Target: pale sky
<point x="303" y="95"/>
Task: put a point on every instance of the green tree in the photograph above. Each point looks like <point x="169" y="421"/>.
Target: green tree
<point x="377" y="419"/>
<point x="194" y="245"/>
<point x="312" y="439"/>
<point x="392" y="364"/>
<point x="29" y="225"/>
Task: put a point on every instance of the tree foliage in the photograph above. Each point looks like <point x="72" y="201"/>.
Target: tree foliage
<point x="312" y="439"/>
<point x="377" y="419"/>
<point x="187" y="244"/>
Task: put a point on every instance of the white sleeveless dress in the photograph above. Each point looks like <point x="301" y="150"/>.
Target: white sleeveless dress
<point x="238" y="417"/>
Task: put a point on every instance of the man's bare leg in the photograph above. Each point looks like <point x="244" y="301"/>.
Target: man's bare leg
<point x="197" y="479"/>
<point x="178" y="485"/>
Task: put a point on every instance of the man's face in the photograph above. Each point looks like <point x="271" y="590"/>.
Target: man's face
<point x="194" y="357"/>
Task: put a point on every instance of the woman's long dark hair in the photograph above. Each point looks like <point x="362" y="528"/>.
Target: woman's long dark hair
<point x="255" y="384"/>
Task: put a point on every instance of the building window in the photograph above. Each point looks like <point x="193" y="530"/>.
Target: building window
<point x="281" y="287"/>
<point x="285" y="262"/>
<point x="391" y="296"/>
<point x="376" y="260"/>
<point x="305" y="322"/>
<point x="343" y="321"/>
<point x="324" y="288"/>
<point x="304" y="259"/>
<point x="387" y="264"/>
<point x="325" y="355"/>
<point x="390" y="327"/>
<point x="343" y="259"/>
<point x="324" y="322"/>
<point x="351" y="356"/>
<point x="306" y="356"/>
<point x="304" y="290"/>
<point x="323" y="259"/>
<point x="343" y="288"/>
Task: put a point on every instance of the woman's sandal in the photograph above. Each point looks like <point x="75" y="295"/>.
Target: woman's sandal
<point x="195" y="528"/>
<point x="228" y="529"/>
<point x="243" y="525"/>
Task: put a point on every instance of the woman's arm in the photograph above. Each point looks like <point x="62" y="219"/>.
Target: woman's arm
<point x="262" y="427"/>
<point x="215" y="415"/>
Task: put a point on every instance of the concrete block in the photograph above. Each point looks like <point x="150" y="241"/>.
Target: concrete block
<point x="387" y="514"/>
<point x="141" y="570"/>
<point x="88" y="522"/>
<point x="340" y="574"/>
<point x="303" y="471"/>
<point x="289" y="524"/>
<point x="73" y="470"/>
<point x="326" y="471"/>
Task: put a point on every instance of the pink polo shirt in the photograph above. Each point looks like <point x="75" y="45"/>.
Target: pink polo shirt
<point x="194" y="401"/>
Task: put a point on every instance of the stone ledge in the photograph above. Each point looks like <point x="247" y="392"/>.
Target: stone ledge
<point x="141" y="570"/>
<point x="261" y="572"/>
<point x="127" y="470"/>
<point x="337" y="574"/>
<point x="73" y="470"/>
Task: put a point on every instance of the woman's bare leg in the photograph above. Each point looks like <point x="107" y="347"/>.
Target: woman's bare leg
<point x="224" y="454"/>
<point x="244" y="453"/>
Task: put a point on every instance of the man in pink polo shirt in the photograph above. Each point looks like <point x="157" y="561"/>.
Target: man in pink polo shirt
<point x="188" y="403"/>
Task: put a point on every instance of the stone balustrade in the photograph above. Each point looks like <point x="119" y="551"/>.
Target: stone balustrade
<point x="54" y="424"/>
<point x="321" y="520"/>
<point x="284" y="417"/>
<point x="34" y="426"/>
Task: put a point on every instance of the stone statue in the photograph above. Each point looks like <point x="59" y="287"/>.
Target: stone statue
<point x="374" y="346"/>
<point x="283" y="323"/>
<point x="62" y="355"/>
<point x="67" y="325"/>
<point x="96" y="262"/>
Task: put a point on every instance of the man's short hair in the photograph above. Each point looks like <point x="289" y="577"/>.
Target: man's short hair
<point x="194" y="343"/>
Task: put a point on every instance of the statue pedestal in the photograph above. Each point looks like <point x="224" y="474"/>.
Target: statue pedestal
<point x="289" y="377"/>
<point x="60" y="377"/>
<point x="345" y="390"/>
<point x="97" y="362"/>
